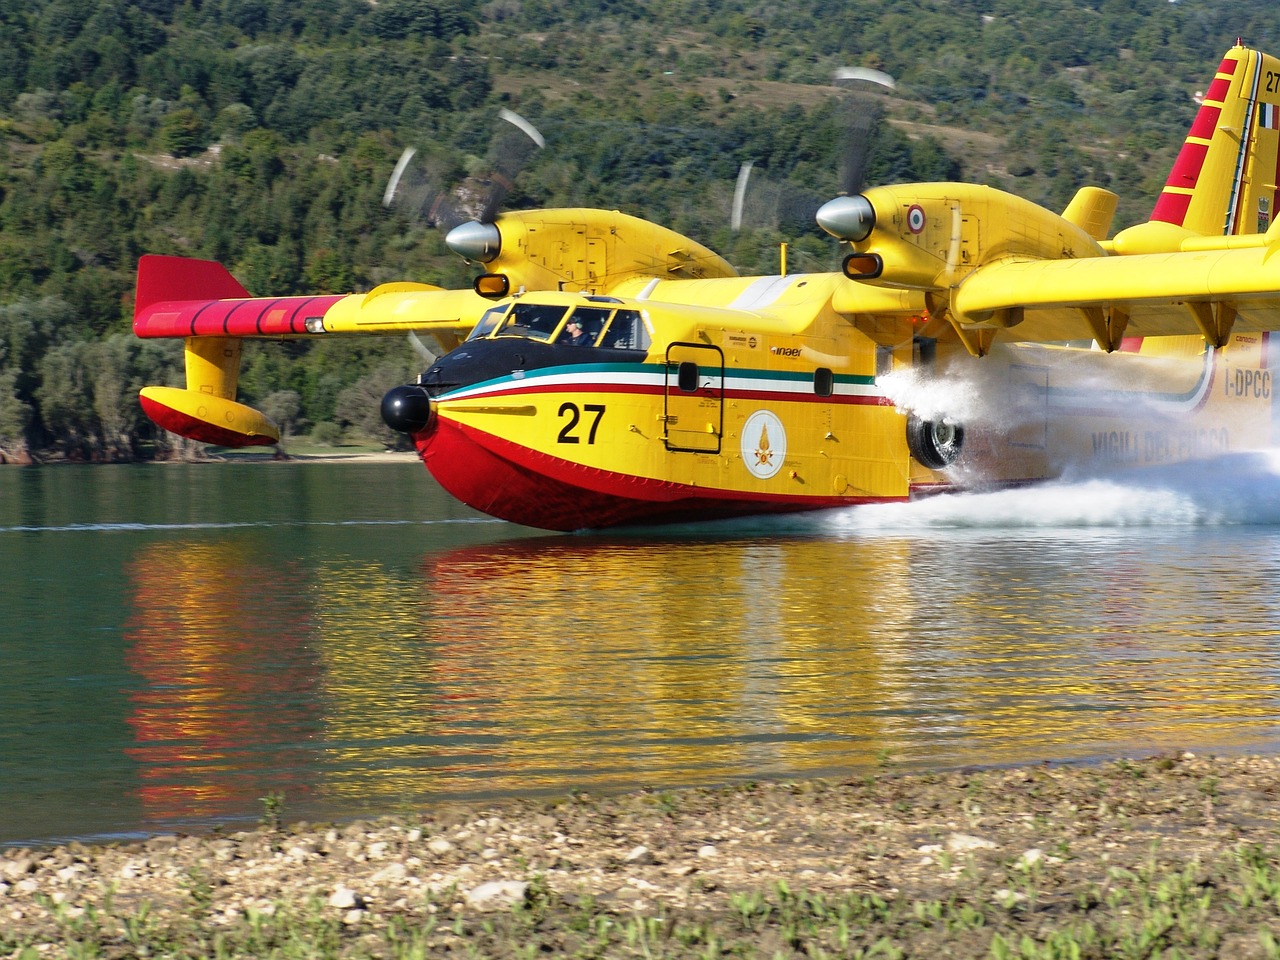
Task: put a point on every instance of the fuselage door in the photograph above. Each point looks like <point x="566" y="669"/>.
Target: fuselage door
<point x="693" y="414"/>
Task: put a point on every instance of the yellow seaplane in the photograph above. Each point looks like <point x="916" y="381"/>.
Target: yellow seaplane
<point x="605" y="371"/>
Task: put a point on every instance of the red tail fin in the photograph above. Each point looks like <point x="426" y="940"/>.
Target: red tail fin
<point x="162" y="278"/>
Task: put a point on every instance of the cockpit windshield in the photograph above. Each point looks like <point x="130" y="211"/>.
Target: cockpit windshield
<point x="488" y="323"/>
<point x="604" y="327"/>
<point x="582" y="326"/>
<point x="534" y="321"/>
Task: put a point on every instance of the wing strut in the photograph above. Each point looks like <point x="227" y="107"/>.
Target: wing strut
<point x="1107" y="326"/>
<point x="1214" y="320"/>
<point x="977" y="340"/>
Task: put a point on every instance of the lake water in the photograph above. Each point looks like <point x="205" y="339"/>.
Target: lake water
<point x="179" y="641"/>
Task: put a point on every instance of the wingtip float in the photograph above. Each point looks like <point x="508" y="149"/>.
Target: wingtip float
<point x="208" y="418"/>
<point x="608" y="371"/>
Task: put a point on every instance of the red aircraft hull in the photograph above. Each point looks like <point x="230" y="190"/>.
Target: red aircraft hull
<point x="514" y="483"/>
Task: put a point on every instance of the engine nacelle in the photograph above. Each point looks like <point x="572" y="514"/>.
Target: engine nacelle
<point x="930" y="236"/>
<point x="582" y="249"/>
<point x="208" y="418"/>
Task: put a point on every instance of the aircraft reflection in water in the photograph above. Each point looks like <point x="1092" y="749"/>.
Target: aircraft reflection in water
<point x="384" y="736"/>
<point x="751" y="657"/>
<point x="558" y="664"/>
<point x="706" y="661"/>
<point x="228" y="669"/>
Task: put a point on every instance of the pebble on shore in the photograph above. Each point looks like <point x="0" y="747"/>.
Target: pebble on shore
<point x="916" y="835"/>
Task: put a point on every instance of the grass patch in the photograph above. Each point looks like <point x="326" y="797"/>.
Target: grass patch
<point x="1225" y="908"/>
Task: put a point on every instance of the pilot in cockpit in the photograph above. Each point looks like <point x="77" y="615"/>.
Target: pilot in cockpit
<point x="574" y="335"/>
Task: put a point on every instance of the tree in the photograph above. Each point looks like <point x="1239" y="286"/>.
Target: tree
<point x="65" y="399"/>
<point x="284" y="409"/>
<point x="114" y="393"/>
<point x="406" y="19"/>
<point x="359" y="406"/>
<point x="15" y="415"/>
<point x="182" y="133"/>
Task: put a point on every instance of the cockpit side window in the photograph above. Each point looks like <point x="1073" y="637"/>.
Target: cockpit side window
<point x="583" y="327"/>
<point x="537" y="321"/>
<point x="488" y="322"/>
<point x="627" y="332"/>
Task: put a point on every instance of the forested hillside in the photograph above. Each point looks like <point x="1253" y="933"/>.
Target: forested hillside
<point x="261" y="133"/>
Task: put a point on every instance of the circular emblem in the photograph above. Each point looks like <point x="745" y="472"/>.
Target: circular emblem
<point x="764" y="444"/>
<point x="915" y="218"/>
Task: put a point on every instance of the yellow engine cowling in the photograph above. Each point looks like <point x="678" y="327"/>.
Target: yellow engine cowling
<point x="930" y="236"/>
<point x="582" y="250"/>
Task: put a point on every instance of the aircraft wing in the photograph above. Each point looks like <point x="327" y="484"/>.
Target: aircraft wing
<point x="1207" y="292"/>
<point x="395" y="307"/>
<point x="182" y="297"/>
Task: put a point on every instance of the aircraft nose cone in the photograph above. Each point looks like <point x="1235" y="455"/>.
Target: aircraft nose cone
<point x="407" y="409"/>
<point x="848" y="218"/>
<point x="474" y="241"/>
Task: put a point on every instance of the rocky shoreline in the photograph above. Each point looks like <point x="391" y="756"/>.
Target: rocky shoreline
<point x="1129" y="858"/>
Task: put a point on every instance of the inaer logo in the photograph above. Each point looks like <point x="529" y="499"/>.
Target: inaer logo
<point x="764" y="444"/>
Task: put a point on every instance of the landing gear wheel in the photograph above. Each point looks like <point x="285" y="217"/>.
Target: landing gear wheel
<point x="935" y="444"/>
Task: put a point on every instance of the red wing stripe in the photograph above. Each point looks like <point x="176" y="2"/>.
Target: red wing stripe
<point x="195" y="317"/>
<point x="226" y="321"/>
<point x="293" y="317"/>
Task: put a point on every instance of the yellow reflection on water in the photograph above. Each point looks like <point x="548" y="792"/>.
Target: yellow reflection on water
<point x="1122" y="653"/>
<point x="219" y="639"/>
<point x="561" y="663"/>
<point x="569" y="662"/>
